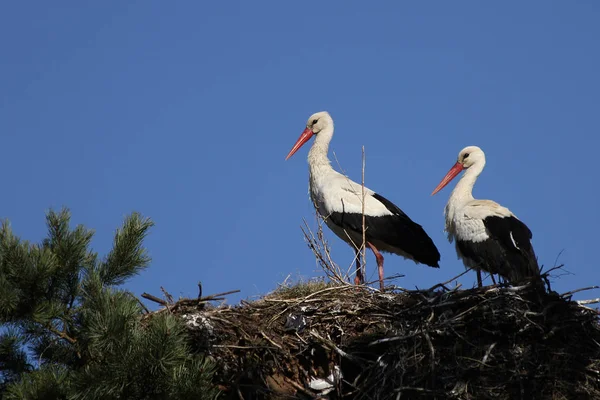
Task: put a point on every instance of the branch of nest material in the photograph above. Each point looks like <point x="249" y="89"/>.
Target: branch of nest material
<point x="299" y="387"/>
<point x="268" y="339"/>
<point x="431" y="349"/>
<point x="389" y="278"/>
<point x="561" y="266"/>
<point x="393" y="339"/>
<point x="333" y="347"/>
<point x="415" y="389"/>
<point x="567" y="294"/>
<point x="443" y="284"/>
<point x="218" y="296"/>
<point x="240" y="395"/>
<point x="487" y="353"/>
<point x="320" y="249"/>
<point x="154" y="299"/>
<point x="594" y="310"/>
<point x="299" y="300"/>
<point x="591" y="301"/>
<point x="167" y="295"/>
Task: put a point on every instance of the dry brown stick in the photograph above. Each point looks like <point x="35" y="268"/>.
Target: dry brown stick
<point x="579" y="290"/>
<point x="334" y="268"/>
<point x="389" y="278"/>
<point x="270" y="340"/>
<point x="232" y="346"/>
<point x="415" y="389"/>
<point x="299" y="387"/>
<point x="443" y="284"/>
<point x="363" y="266"/>
<point x="333" y="347"/>
<point x="431" y="349"/>
<point x="320" y="249"/>
<point x="591" y="301"/>
<point x="239" y="393"/>
<point x="590" y="309"/>
<point x="392" y="339"/>
<point x="167" y="295"/>
<point x="553" y="268"/>
<point x="212" y="296"/>
<point x="154" y="299"/>
<point x="140" y="302"/>
<point x="487" y="353"/>
<point x="312" y="242"/>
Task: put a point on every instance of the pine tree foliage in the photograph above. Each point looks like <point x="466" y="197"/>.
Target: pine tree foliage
<point x="69" y="332"/>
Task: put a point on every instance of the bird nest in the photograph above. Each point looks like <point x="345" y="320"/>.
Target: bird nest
<point x="318" y="340"/>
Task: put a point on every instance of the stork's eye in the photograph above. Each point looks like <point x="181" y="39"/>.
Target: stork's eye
<point x="465" y="156"/>
<point x="315" y="121"/>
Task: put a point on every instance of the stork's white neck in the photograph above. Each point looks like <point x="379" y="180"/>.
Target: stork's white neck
<point x="317" y="156"/>
<point x="463" y="191"/>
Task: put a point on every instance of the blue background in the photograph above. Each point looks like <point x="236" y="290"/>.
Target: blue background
<point x="185" y="111"/>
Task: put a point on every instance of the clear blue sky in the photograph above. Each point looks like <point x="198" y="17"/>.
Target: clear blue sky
<point x="185" y="111"/>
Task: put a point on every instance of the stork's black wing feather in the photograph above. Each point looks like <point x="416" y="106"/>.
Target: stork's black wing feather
<point x="502" y="228"/>
<point x="515" y="239"/>
<point x="396" y="230"/>
<point x="394" y="209"/>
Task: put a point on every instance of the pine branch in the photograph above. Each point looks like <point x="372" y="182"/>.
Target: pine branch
<point x="128" y="256"/>
<point x="13" y="359"/>
<point x="62" y="334"/>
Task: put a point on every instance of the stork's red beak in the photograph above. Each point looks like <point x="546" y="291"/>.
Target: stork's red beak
<point x="455" y="170"/>
<point x="307" y="134"/>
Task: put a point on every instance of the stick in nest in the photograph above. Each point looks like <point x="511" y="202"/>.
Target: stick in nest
<point x="320" y="249"/>
<point x="363" y="247"/>
<point x="360" y="257"/>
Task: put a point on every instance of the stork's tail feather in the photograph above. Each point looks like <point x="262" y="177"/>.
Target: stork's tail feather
<point x="423" y="249"/>
<point x="524" y="269"/>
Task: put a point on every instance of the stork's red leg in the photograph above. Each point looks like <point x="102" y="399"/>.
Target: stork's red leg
<point x="479" y="281"/>
<point x="358" y="278"/>
<point x="379" y="258"/>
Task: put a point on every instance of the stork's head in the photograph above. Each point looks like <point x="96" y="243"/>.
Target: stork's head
<point x="315" y="124"/>
<point x="469" y="156"/>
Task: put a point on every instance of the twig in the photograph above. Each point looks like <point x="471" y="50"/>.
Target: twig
<point x="443" y="284"/>
<point x="333" y="347"/>
<point x="270" y="340"/>
<point x="214" y="296"/>
<point x="566" y="294"/>
<point x="431" y="349"/>
<point x="154" y="299"/>
<point x="561" y="266"/>
<point x="140" y="302"/>
<point x="167" y="295"/>
<point x="299" y="388"/>
<point x="591" y="301"/>
<point x="231" y="346"/>
<point x="487" y="353"/>
<point x="320" y="249"/>
<point x="363" y="266"/>
<point x="239" y="393"/>
<point x="392" y="339"/>
<point x="415" y="389"/>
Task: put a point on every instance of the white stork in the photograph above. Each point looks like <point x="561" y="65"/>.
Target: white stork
<point x="339" y="201"/>
<point x="488" y="236"/>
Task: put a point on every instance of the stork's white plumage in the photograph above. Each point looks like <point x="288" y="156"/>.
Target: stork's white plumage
<point x="339" y="201"/>
<point x="488" y="236"/>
